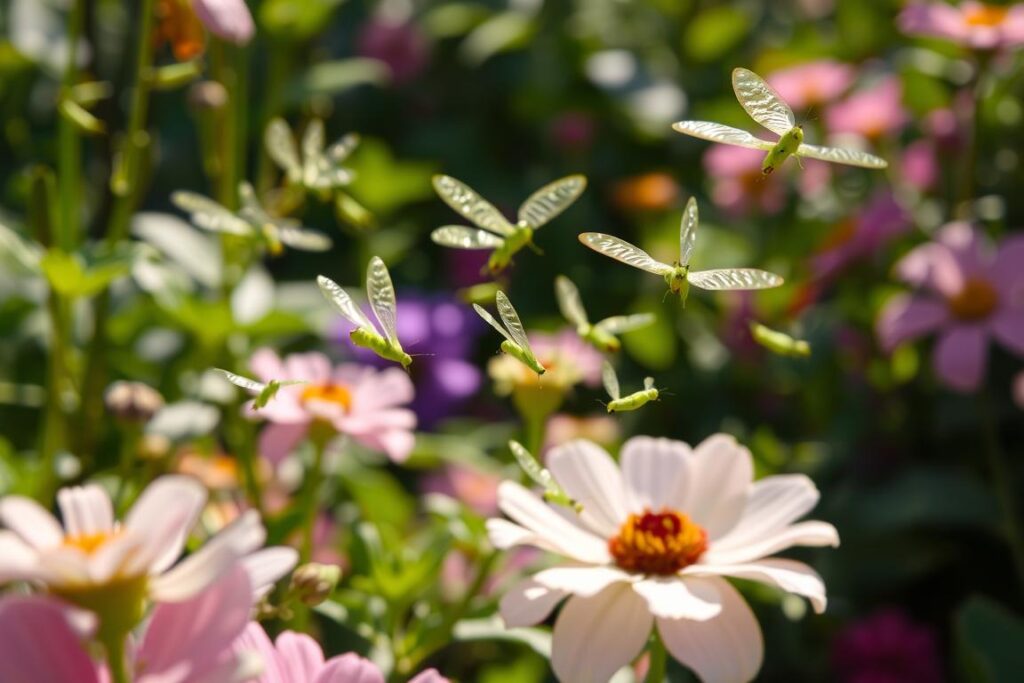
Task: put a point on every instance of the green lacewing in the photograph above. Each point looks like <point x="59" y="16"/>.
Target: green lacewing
<point x="601" y="335"/>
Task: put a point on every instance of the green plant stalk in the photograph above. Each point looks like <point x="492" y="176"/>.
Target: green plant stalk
<point x="310" y="499"/>
<point x="69" y="146"/>
<point x="968" y="180"/>
<point x="1002" y="481"/>
<point x="278" y="62"/>
<point x="116" y="660"/>
<point x="658" y="660"/>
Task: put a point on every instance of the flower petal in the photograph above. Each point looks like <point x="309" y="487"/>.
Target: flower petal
<point x="38" y="645"/>
<point x="266" y="566"/>
<point x="671" y="597"/>
<point x="813" y="534"/>
<point x="961" y="356"/>
<point x="31" y="521"/>
<point x="17" y="560"/>
<point x="163" y="515"/>
<point x="86" y="510"/>
<point x="594" y="637"/>
<point x="299" y="655"/>
<point x="721" y="471"/>
<point x="528" y="603"/>
<point x="590" y="476"/>
<point x="789" y="575"/>
<point x="227" y="19"/>
<point x="655" y="473"/>
<point x="773" y="503"/>
<point x="279" y="439"/>
<point x="254" y="640"/>
<point x="907" y="317"/>
<point x="428" y="676"/>
<point x="557" y="532"/>
<point x="726" y="649"/>
<point x="585" y="581"/>
<point x="349" y="668"/>
<point x="1008" y="327"/>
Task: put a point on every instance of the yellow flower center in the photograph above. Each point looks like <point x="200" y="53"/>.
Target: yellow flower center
<point x="976" y="300"/>
<point x="986" y="15"/>
<point x="88" y="543"/>
<point x="658" y="543"/>
<point x="328" y="393"/>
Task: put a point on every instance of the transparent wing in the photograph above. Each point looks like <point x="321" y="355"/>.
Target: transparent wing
<point x="343" y="302"/>
<point x="569" y="301"/>
<point x="381" y="292"/>
<point x="303" y="238"/>
<point x="209" y="215"/>
<point x="482" y="312"/>
<point x="610" y="380"/>
<point x="850" y="157"/>
<point x="625" y="323"/>
<point x="243" y="382"/>
<point x="621" y="250"/>
<point x="648" y="383"/>
<point x="281" y="147"/>
<point x="512" y="322"/>
<point x="734" y="278"/>
<point x="551" y="200"/>
<point x="460" y="197"/>
<point x="313" y="151"/>
<point x="688" y="232"/>
<point x="461" y="237"/>
<point x="716" y="132"/>
<point x="762" y="102"/>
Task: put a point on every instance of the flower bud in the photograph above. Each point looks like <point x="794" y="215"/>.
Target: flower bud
<point x="133" y="401"/>
<point x="313" y="583"/>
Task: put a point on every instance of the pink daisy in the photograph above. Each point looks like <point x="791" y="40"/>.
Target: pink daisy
<point x="812" y="83"/>
<point x="873" y="112"/>
<point x="971" y="24"/>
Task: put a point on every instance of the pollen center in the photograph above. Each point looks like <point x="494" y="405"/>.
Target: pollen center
<point x="88" y="543"/>
<point x="975" y="301"/>
<point x="658" y="542"/>
<point x="986" y="15"/>
<point x="328" y="393"/>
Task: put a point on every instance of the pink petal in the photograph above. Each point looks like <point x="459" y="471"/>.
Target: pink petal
<point x="266" y="566"/>
<point x="300" y="657"/>
<point x="428" y="676"/>
<point x="1006" y="271"/>
<point x="254" y="640"/>
<point x="38" y="644"/>
<point x="164" y="515"/>
<point x="278" y="440"/>
<point x="349" y="668"/>
<point x="960" y="357"/>
<point x="933" y="266"/>
<point x="1008" y="327"/>
<point x="227" y="19"/>
<point x="33" y="523"/>
<point x="907" y="317"/>
<point x="266" y="365"/>
<point x="17" y="560"/>
<point x="311" y="367"/>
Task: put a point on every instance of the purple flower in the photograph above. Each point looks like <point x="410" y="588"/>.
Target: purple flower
<point x="971" y="24"/>
<point x="966" y="294"/>
<point x="227" y="19"/>
<point x="887" y="647"/>
<point x="398" y="44"/>
<point x="862" y="235"/>
<point x="441" y="334"/>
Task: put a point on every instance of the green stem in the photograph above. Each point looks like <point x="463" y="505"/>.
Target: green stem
<point x="310" y="500"/>
<point x="968" y="180"/>
<point x="657" y="660"/>
<point x="129" y="451"/>
<point x="117" y="663"/>
<point x="278" y="61"/>
<point x="1006" y="491"/>
<point x="69" y="150"/>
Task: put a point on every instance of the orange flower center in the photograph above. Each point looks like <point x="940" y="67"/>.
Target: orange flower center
<point x="975" y="301"/>
<point x="658" y="543"/>
<point x="178" y="25"/>
<point x="88" y="543"/>
<point x="328" y="393"/>
<point x="986" y="15"/>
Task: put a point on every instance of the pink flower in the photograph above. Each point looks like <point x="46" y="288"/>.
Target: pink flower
<point x="887" y="647"/>
<point x="861" y="236"/>
<point x="602" y="429"/>
<point x="872" y="113"/>
<point x="573" y="131"/>
<point x="966" y="295"/>
<point x="297" y="658"/>
<point x="227" y="19"/>
<point x="1017" y="391"/>
<point x="569" y="361"/>
<point x="356" y="400"/>
<point x="812" y="83"/>
<point x="400" y="45"/>
<point x="919" y="165"/>
<point x="971" y="24"/>
<point x="43" y="641"/>
<point x="475" y="487"/>
<point x="738" y="185"/>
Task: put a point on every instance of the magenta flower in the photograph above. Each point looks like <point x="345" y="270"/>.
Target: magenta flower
<point x="887" y="647"/>
<point x="872" y="113"/>
<point x="400" y="45"/>
<point x="812" y="83"/>
<point x="359" y="401"/>
<point x="226" y="19"/>
<point x="738" y="185"/>
<point x="966" y="295"/>
<point x="971" y="24"/>
<point x="475" y="487"/>
<point x="919" y="165"/>
<point x="861" y="236"/>
<point x="297" y="658"/>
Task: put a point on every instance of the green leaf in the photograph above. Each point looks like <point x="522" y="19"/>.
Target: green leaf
<point x="714" y="32"/>
<point x="990" y="641"/>
<point x="380" y="497"/>
<point x="383" y="183"/>
<point x="296" y="21"/>
<point x="501" y="33"/>
<point x="65" y="272"/>
<point x="332" y="78"/>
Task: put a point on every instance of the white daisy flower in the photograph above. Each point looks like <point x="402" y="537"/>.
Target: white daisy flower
<point x="656" y="536"/>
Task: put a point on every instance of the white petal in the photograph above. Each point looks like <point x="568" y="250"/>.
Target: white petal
<point x="655" y="473"/>
<point x="17" y="560"/>
<point x="726" y="649"/>
<point x="585" y="581"/>
<point x="165" y="513"/>
<point x="720" y="474"/>
<point x="63" y="566"/>
<point x="590" y="476"/>
<point x="789" y="575"/>
<point x="199" y="570"/>
<point x="111" y="558"/>
<point x="813" y="533"/>
<point x="268" y="565"/>
<point x="673" y="598"/>
<point x="774" y="503"/>
<point x="528" y="603"/>
<point x="86" y="510"/>
<point x="561" y="534"/>
<point x="31" y="521"/>
<point x="595" y="637"/>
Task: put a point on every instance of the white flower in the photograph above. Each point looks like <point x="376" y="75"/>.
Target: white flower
<point x="651" y="546"/>
<point x="92" y="551"/>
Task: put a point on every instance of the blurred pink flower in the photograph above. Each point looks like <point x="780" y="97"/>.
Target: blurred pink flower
<point x="1018" y="390"/>
<point x="971" y="24"/>
<point x="738" y="186"/>
<point x="297" y="658"/>
<point x="967" y="295"/>
<point x="861" y="236"/>
<point x="872" y="113"/>
<point x="887" y="647"/>
<point x="919" y="165"/>
<point x="227" y="19"/>
<point x="473" y="486"/>
<point x="601" y="429"/>
<point x="573" y="130"/>
<point x="569" y="361"/>
<point x="812" y="83"/>
<point x="356" y="400"/>
<point x="400" y="45"/>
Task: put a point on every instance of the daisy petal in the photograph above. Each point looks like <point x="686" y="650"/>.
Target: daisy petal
<point x="673" y="598"/>
<point x="1008" y="328"/>
<point x="350" y="668"/>
<point x="38" y="644"/>
<point x="557" y="532"/>
<point x="789" y="575"/>
<point x="31" y="521"/>
<point x="721" y="471"/>
<point x="960" y="357"/>
<point x="726" y="649"/>
<point x="428" y="676"/>
<point x="773" y="503"/>
<point x="17" y="560"/>
<point x="584" y="581"/>
<point x="528" y="603"/>
<point x="814" y="534"/>
<point x="655" y="473"/>
<point x="589" y="475"/>
<point x="163" y="515"/>
<point x="299" y="655"/>
<point x="595" y="637"/>
<point x="86" y="510"/>
<point x="266" y="566"/>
